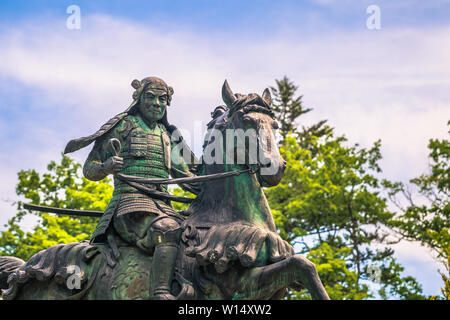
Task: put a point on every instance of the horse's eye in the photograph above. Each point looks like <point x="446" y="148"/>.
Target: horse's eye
<point x="275" y="125"/>
<point x="247" y="120"/>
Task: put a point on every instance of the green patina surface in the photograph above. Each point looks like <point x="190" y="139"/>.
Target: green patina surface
<point x="230" y="258"/>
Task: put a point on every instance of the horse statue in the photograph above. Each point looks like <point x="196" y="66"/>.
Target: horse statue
<point x="229" y="249"/>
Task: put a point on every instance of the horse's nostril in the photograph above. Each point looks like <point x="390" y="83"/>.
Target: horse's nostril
<point x="266" y="165"/>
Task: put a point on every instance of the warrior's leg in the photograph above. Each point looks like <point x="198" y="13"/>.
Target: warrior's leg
<point x="164" y="235"/>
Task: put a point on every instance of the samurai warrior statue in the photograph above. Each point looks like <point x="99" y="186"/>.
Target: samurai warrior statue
<point x="146" y="150"/>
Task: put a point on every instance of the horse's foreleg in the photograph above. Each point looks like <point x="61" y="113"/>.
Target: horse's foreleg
<point x="263" y="282"/>
<point x="307" y="274"/>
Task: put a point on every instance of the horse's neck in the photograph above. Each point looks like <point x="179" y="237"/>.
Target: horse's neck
<point x="234" y="199"/>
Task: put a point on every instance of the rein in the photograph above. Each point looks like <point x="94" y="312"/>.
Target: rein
<point x="209" y="177"/>
<point x="137" y="183"/>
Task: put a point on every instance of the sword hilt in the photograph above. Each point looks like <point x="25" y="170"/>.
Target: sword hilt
<point x="114" y="146"/>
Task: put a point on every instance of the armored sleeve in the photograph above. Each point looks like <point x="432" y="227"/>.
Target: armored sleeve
<point x="93" y="167"/>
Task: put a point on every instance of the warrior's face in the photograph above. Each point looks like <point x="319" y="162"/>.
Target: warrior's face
<point x="153" y="104"/>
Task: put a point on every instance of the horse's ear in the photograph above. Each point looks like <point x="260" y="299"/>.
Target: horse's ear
<point x="267" y="97"/>
<point x="227" y="95"/>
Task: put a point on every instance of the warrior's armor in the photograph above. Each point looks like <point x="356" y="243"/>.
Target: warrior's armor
<point x="150" y="224"/>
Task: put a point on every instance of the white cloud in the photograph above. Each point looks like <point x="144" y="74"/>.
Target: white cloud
<point x="390" y="84"/>
<point x="324" y="2"/>
<point x="420" y="263"/>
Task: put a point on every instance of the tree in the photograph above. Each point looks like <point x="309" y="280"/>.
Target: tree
<point x="289" y="108"/>
<point x="177" y="191"/>
<point x="336" y="275"/>
<point x="332" y="199"/>
<point x="61" y="186"/>
<point x="428" y="221"/>
<point x="329" y="205"/>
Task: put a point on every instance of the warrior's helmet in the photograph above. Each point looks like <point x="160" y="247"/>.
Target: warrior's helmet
<point x="150" y="82"/>
<point x="142" y="86"/>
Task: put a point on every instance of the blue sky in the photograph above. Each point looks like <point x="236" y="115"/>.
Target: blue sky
<point x="252" y="16"/>
<point x="57" y="84"/>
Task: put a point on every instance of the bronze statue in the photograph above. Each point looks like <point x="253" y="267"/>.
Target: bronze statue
<point x="150" y="224"/>
<point x="225" y="246"/>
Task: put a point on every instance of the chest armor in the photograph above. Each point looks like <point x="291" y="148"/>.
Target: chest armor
<point x="145" y="153"/>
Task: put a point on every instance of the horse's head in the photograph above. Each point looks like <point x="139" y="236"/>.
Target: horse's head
<point x="251" y="121"/>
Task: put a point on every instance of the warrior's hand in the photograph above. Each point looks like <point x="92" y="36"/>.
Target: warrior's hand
<point x="112" y="165"/>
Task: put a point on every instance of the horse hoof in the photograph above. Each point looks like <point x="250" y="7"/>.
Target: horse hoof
<point x="221" y="265"/>
<point x="213" y="256"/>
<point x="246" y="260"/>
<point x="232" y="253"/>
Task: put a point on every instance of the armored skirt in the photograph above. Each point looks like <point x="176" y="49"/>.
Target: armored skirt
<point x="136" y="213"/>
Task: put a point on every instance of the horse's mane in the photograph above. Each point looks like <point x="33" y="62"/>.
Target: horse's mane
<point x="247" y="103"/>
<point x="251" y="103"/>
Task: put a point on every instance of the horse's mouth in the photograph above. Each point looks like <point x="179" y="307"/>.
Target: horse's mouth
<point x="270" y="176"/>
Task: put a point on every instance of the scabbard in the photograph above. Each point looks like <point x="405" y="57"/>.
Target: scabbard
<point x="70" y="212"/>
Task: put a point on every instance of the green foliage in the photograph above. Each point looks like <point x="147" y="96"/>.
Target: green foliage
<point x="445" y="290"/>
<point x="179" y="206"/>
<point x="429" y="221"/>
<point x="61" y="186"/>
<point x="289" y="108"/>
<point x="338" y="279"/>
<point x="329" y="192"/>
<point x="394" y="285"/>
<point x="329" y="203"/>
